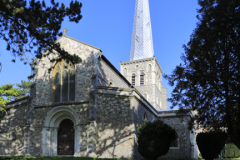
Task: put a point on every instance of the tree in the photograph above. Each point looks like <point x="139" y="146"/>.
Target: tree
<point x="30" y="29"/>
<point x="9" y="93"/>
<point x="208" y="81"/>
<point x="154" y="139"/>
<point x="210" y="144"/>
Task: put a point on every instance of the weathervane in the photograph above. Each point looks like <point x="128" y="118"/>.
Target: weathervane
<point x="65" y="31"/>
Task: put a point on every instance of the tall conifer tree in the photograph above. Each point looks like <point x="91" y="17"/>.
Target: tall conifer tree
<point x="208" y="80"/>
<point x="10" y="93"/>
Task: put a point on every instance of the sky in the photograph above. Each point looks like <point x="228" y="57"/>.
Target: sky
<point x="108" y="25"/>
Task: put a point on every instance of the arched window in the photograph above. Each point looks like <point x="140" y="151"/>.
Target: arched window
<point x="133" y="79"/>
<point x="145" y="117"/>
<point x="64" y="82"/>
<point x="149" y="68"/>
<point x="174" y="143"/>
<point x="145" y="95"/>
<point x="125" y="71"/>
<point x="142" y="79"/>
<point x="111" y="84"/>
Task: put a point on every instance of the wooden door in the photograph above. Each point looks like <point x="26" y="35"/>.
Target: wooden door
<point x="66" y="138"/>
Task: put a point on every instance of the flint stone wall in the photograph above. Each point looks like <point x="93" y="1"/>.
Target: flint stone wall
<point x="180" y="125"/>
<point x="39" y="119"/>
<point x="84" y="71"/>
<point x="12" y="131"/>
<point x="139" y="111"/>
<point x="115" y="129"/>
<point x="107" y="75"/>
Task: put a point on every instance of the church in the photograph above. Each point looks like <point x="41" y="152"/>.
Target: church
<point x="91" y="109"/>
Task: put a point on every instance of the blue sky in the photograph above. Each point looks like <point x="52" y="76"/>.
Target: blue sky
<point x="108" y="25"/>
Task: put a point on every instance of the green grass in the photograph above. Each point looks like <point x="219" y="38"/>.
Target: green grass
<point x="49" y="158"/>
<point x="70" y="158"/>
<point x="54" y="158"/>
<point x="223" y="159"/>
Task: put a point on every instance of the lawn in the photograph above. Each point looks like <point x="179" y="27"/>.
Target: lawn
<point x="223" y="159"/>
<point x="81" y="158"/>
<point x="68" y="158"/>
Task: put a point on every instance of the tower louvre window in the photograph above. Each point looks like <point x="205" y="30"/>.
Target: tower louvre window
<point x="142" y="79"/>
<point x="64" y="82"/>
<point x="133" y="79"/>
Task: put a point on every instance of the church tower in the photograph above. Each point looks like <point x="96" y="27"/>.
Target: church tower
<point x="143" y="69"/>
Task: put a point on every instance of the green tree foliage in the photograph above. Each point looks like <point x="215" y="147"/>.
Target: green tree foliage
<point x="208" y="80"/>
<point x="9" y="93"/>
<point x="232" y="151"/>
<point x="30" y="27"/>
<point x="210" y="144"/>
<point x="154" y="139"/>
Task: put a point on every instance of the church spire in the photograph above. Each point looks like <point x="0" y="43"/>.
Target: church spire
<point x="142" y="43"/>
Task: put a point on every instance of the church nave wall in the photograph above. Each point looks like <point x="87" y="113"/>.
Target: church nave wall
<point x="141" y="114"/>
<point x="12" y="129"/>
<point x="46" y="123"/>
<point x="109" y="76"/>
<point x="44" y="81"/>
<point x="115" y="129"/>
<point x="180" y="125"/>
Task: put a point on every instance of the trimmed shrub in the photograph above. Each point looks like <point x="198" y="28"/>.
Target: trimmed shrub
<point x="154" y="139"/>
<point x="211" y="143"/>
<point x="232" y="151"/>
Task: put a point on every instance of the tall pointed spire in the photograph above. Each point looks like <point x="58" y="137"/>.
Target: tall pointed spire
<point x="142" y="43"/>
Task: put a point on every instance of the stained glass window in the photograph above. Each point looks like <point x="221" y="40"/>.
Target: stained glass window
<point x="64" y="82"/>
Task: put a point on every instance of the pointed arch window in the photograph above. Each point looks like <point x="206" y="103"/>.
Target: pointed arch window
<point x="125" y="71"/>
<point x="174" y="143"/>
<point x="149" y="68"/>
<point x="145" y="117"/>
<point x="142" y="78"/>
<point x="133" y="79"/>
<point x="145" y="95"/>
<point x="64" y="82"/>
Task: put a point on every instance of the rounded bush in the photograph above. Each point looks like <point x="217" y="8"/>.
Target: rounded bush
<point x="232" y="151"/>
<point x="210" y="144"/>
<point x="154" y="139"/>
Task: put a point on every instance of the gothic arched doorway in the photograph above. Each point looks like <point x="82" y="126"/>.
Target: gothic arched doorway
<point x="65" y="138"/>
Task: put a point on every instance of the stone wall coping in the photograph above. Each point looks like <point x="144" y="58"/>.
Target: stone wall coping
<point x="23" y="98"/>
<point x="79" y="42"/>
<point x="116" y="88"/>
<point x="132" y="92"/>
<point x="16" y="103"/>
<point x="171" y="113"/>
<point x="38" y="126"/>
<point x="62" y="103"/>
<point x="127" y="92"/>
<point x="114" y="69"/>
<point x="142" y="60"/>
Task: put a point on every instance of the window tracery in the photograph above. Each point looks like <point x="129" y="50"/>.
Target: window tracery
<point x="64" y="82"/>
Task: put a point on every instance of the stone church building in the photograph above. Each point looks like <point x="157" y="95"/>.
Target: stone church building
<point x="91" y="109"/>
